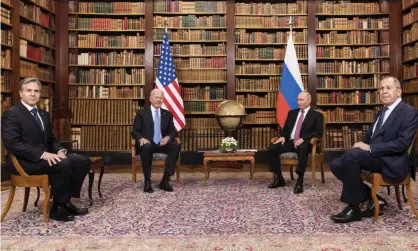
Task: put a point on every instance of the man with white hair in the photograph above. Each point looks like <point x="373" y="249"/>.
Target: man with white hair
<point x="154" y="132"/>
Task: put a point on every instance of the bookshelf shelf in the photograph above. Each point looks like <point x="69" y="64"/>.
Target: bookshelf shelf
<point x="339" y="45"/>
<point x="407" y="79"/>
<point x="409" y="7"/>
<point x="194" y="56"/>
<point x="380" y="29"/>
<point x="411" y="60"/>
<point x="107" y="66"/>
<point x="342" y="73"/>
<point x="192" y="28"/>
<point x="202" y="100"/>
<point x="7" y="4"/>
<point x="192" y="41"/>
<point x="346" y="89"/>
<point x="6" y="45"/>
<point x="34" y="22"/>
<point x="6" y="24"/>
<point x="410" y="43"/>
<point x="266" y="59"/>
<point x="351" y="58"/>
<point x="121" y="85"/>
<point x="270" y="28"/>
<point x="189" y="13"/>
<point x="36" y="43"/>
<point x="350" y="14"/>
<point x="256" y="91"/>
<point x="37" y="61"/>
<point x="40" y="6"/>
<point x="7" y="68"/>
<point x="106" y="14"/>
<point x="101" y="31"/>
<point x="371" y="104"/>
<point x="107" y="48"/>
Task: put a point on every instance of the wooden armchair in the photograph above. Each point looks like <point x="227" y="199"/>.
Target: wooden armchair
<point x="377" y="181"/>
<point x="27" y="181"/>
<point x="157" y="160"/>
<point x="291" y="158"/>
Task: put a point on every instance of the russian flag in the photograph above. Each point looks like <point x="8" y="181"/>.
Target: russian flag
<point x="290" y="84"/>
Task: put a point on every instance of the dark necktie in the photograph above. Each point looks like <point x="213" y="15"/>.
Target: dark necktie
<point x="34" y="111"/>
<point x="380" y="121"/>
<point x="299" y="126"/>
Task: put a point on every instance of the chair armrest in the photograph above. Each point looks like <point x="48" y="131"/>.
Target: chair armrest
<point x="274" y="139"/>
<point x="133" y="148"/>
<point x="314" y="140"/>
<point x="178" y="140"/>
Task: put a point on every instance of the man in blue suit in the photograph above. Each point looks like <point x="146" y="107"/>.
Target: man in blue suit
<point x="384" y="150"/>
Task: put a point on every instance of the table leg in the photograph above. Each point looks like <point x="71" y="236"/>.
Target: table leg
<point x="252" y="168"/>
<point x="205" y="168"/>
<point x="100" y="179"/>
<point x="91" y="179"/>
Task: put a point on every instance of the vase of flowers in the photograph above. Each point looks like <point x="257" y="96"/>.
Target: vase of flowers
<point x="229" y="145"/>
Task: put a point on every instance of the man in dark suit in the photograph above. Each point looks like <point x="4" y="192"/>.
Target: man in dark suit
<point x="154" y="132"/>
<point x="27" y="133"/>
<point x="301" y="126"/>
<point x="384" y="150"/>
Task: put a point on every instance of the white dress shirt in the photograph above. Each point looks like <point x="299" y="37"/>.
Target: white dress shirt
<point x="292" y="135"/>
<point x="387" y="113"/>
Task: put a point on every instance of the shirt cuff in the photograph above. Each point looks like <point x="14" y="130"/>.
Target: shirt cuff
<point x="62" y="150"/>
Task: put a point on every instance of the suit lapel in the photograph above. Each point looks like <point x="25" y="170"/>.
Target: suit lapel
<point x="294" y="119"/>
<point x="306" y="119"/>
<point x="393" y="115"/>
<point x="28" y="114"/>
<point x="163" y="118"/>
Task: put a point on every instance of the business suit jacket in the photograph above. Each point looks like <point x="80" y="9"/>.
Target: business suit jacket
<point x="23" y="137"/>
<point x="311" y="126"/>
<point x="144" y="125"/>
<point x="392" y="141"/>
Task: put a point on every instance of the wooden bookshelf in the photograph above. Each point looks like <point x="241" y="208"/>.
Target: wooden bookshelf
<point x="106" y="72"/>
<point x="410" y="52"/>
<point x="352" y="54"/>
<point x="261" y="34"/>
<point x="198" y="40"/>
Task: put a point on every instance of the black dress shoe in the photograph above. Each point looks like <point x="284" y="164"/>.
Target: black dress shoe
<point x="164" y="185"/>
<point x="369" y="211"/>
<point x="298" y="187"/>
<point x="148" y="187"/>
<point x="277" y="182"/>
<point x="75" y="210"/>
<point x="60" y="213"/>
<point x="351" y="213"/>
<point x="340" y="214"/>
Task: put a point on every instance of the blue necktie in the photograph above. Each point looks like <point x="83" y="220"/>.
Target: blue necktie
<point x="380" y="121"/>
<point x="34" y="111"/>
<point x="157" y="130"/>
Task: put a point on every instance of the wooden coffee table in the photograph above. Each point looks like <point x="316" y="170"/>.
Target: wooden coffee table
<point x="219" y="156"/>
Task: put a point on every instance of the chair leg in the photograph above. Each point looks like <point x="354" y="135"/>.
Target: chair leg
<point x="411" y="200"/>
<point x="37" y="197"/>
<point x="178" y="170"/>
<point x="322" y="172"/>
<point x="313" y="164"/>
<point x="26" y="198"/>
<point x="405" y="200"/>
<point x="9" y="202"/>
<point x="291" y="172"/>
<point x="388" y="188"/>
<point x="398" y="197"/>
<point x="47" y="192"/>
<point x="375" y="189"/>
<point x="133" y="171"/>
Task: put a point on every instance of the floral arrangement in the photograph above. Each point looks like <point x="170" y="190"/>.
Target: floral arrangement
<point x="229" y="144"/>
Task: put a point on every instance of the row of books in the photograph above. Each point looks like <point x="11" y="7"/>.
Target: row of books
<point x="270" y="83"/>
<point x="6" y="103"/>
<point x="196" y="63"/>
<point x="209" y="122"/>
<point x="103" y="112"/>
<point x="331" y="7"/>
<point x="6" y="81"/>
<point x="353" y="37"/>
<point x="410" y="71"/>
<point x="357" y="97"/>
<point x="179" y="6"/>
<point x="355" y="23"/>
<point x="47" y="4"/>
<point x="96" y="40"/>
<point x="30" y="70"/>
<point x="269" y="22"/>
<point x="205" y="93"/>
<point x="410" y="52"/>
<point x="193" y="49"/>
<point x="123" y="76"/>
<point x="268" y="37"/>
<point x="190" y="21"/>
<point x="411" y="34"/>
<point x="6" y="15"/>
<point x="102" y="138"/>
<point x="261" y="117"/>
<point x="38" y="34"/>
<point x="37" y="15"/>
<point x="47" y="91"/>
<point x="6" y="58"/>
<point x="190" y="35"/>
<point x="411" y="86"/>
<point x="350" y="52"/>
<point x="410" y="17"/>
<point x="126" y="57"/>
<point x="411" y="100"/>
<point x="345" y="137"/>
<point x="348" y="82"/>
<point x="408" y="3"/>
<point x="267" y="68"/>
<point x="6" y="37"/>
<point x="40" y="54"/>
<point x="124" y="23"/>
<point x="296" y="7"/>
<point x="262" y="100"/>
<point x="376" y="65"/>
<point x="200" y="107"/>
<point x="107" y="7"/>
<point x="349" y="115"/>
<point x="105" y="92"/>
<point x="269" y="52"/>
<point x="201" y="75"/>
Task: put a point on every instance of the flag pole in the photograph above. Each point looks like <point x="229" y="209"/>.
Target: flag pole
<point x="290" y="24"/>
<point x="165" y="24"/>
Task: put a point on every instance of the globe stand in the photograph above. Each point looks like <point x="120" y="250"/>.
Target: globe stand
<point x="230" y="132"/>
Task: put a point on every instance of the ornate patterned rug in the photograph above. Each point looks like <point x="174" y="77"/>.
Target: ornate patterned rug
<point x="230" y="213"/>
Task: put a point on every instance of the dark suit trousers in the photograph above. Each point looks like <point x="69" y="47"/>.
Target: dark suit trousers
<point x="66" y="177"/>
<point x="302" y="151"/>
<point x="348" y="169"/>
<point x="147" y="150"/>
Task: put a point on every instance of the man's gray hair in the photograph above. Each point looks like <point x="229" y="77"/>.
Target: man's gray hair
<point x="29" y="80"/>
<point x="155" y="91"/>
<point x="308" y="95"/>
<point x="395" y="81"/>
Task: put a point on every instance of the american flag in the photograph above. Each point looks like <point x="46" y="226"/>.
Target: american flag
<point x="167" y="81"/>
